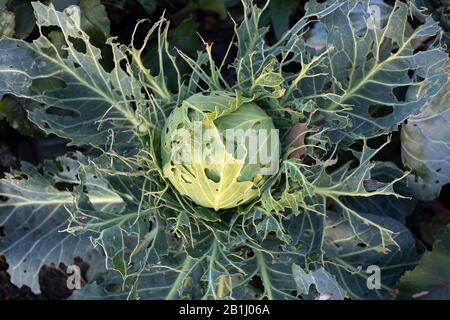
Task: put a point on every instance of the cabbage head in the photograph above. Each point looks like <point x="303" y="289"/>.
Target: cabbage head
<point x="219" y="149"/>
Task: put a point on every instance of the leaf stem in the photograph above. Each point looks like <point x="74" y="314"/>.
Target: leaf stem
<point x="178" y="281"/>
<point x="264" y="274"/>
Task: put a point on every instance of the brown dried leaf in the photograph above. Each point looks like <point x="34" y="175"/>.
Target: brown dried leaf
<point x="296" y="139"/>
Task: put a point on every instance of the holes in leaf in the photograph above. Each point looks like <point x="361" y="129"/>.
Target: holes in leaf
<point x="257" y="283"/>
<point x="78" y="45"/>
<point x="378" y="111"/>
<point x="327" y="86"/>
<point x="257" y="125"/>
<point x="212" y="175"/>
<point x="249" y="254"/>
<point x="192" y="115"/>
<point x="362" y="245"/>
<point x="113" y="287"/>
<point x="2" y="232"/>
<point x="400" y="92"/>
<point x="348" y="66"/>
<point x="133" y="104"/>
<point x="395" y="48"/>
<point x="123" y="65"/>
<point x="292" y="67"/>
<point x="62" y="112"/>
<point x="369" y="56"/>
<point x="65" y="186"/>
<point x="186" y="179"/>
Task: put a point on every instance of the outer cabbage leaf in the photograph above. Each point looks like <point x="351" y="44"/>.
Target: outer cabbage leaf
<point x="360" y="74"/>
<point x="431" y="278"/>
<point x="73" y="95"/>
<point x="324" y="283"/>
<point x="33" y="213"/>
<point x="426" y="145"/>
<point x="385" y="205"/>
<point x="369" y="68"/>
<point x="348" y="255"/>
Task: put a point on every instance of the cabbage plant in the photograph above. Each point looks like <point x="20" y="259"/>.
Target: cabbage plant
<point x="308" y="213"/>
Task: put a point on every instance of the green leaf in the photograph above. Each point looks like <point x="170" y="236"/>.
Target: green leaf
<point x="367" y="69"/>
<point x="33" y="213"/>
<point x="7" y="23"/>
<point x="25" y="20"/>
<point x="90" y="106"/>
<point x="359" y="73"/>
<point x="173" y="274"/>
<point x="16" y="116"/>
<point x="426" y="145"/>
<point x="216" y="6"/>
<point x="324" y="283"/>
<point x="141" y="252"/>
<point x="155" y="283"/>
<point x="351" y="250"/>
<point x="94" y="16"/>
<point x="431" y="278"/>
<point x="274" y="267"/>
<point x="439" y="11"/>
<point x="279" y="12"/>
<point x="94" y="20"/>
<point x="149" y="5"/>
<point x="185" y="36"/>
<point x="384" y="205"/>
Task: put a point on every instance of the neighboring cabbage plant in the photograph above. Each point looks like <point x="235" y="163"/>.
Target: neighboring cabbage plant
<point x="309" y="220"/>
